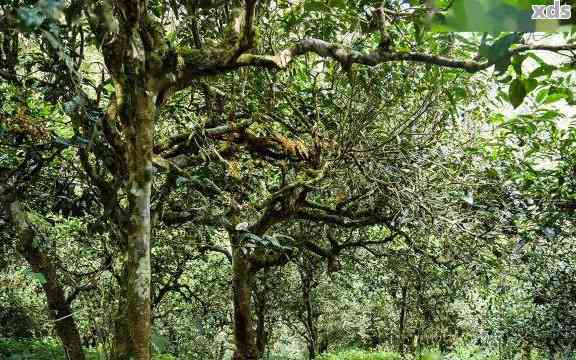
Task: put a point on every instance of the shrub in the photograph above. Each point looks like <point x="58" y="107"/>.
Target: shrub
<point x="21" y="325"/>
<point x="361" y="355"/>
<point x="30" y="350"/>
<point x="49" y="349"/>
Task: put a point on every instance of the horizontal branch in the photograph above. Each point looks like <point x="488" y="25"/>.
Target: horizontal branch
<point x="364" y="243"/>
<point x="347" y="56"/>
<point x="331" y="218"/>
<point x="182" y="217"/>
<point x="182" y="143"/>
<point x="217" y="249"/>
<point x="267" y="261"/>
<point x="317" y="249"/>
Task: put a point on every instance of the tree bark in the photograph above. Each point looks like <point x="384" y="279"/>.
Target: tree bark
<point x="136" y="90"/>
<point x="310" y="315"/>
<point x="402" y="321"/>
<point x="310" y="320"/>
<point x="261" y="332"/>
<point x="40" y="262"/>
<point x="137" y="115"/>
<point x="242" y="282"/>
<point x="121" y="335"/>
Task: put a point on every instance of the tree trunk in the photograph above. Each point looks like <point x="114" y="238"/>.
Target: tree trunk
<point x="261" y="333"/>
<point x="242" y="282"/>
<point x="310" y="320"/>
<point x="121" y="335"/>
<point x="311" y="350"/>
<point x="41" y="263"/>
<point x="402" y="321"/>
<point x="310" y="315"/>
<point x="137" y="111"/>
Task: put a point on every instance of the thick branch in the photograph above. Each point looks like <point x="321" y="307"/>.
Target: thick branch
<point x="239" y="37"/>
<point x="317" y="249"/>
<point x="269" y="260"/>
<point x="218" y="249"/>
<point x="347" y="56"/>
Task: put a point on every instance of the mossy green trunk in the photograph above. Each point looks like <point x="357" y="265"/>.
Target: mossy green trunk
<point x="40" y="262"/>
<point x="121" y="334"/>
<point x="137" y="111"/>
<point x="242" y="282"/>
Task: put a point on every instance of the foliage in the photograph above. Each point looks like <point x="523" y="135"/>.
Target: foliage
<point x="361" y="355"/>
<point x="49" y="349"/>
<point x="327" y="177"/>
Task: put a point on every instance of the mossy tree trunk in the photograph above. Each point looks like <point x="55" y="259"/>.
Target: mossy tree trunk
<point x="133" y="321"/>
<point x="139" y="128"/>
<point x="121" y="334"/>
<point x="145" y="71"/>
<point x="242" y="283"/>
<point x="41" y="263"/>
<point x="132" y="61"/>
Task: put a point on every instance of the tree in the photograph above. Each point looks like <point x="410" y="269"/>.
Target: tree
<point x="147" y="67"/>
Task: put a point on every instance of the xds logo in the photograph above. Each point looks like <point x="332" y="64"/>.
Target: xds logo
<point x="556" y="11"/>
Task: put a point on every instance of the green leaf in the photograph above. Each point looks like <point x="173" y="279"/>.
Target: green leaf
<point x="552" y="98"/>
<point x="40" y="278"/>
<point x="502" y="65"/>
<point x="517" y="92"/>
<point x="543" y="70"/>
<point x="460" y="93"/>
<point x="530" y="84"/>
<point x="30" y="19"/>
<point x="541" y="95"/>
<point x="501" y="46"/>
<point x="556" y="94"/>
<point x="517" y="64"/>
<point x="314" y="5"/>
<point x="536" y="58"/>
<point x="159" y="342"/>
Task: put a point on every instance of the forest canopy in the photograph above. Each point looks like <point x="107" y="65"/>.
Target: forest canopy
<point x="223" y="179"/>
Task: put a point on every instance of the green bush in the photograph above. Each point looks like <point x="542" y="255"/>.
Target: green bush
<point x="50" y="349"/>
<point x="361" y="355"/>
<point x="21" y="325"/>
<point x="470" y="353"/>
<point x="429" y="355"/>
<point x="30" y="350"/>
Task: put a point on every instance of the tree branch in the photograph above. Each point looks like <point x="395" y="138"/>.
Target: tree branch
<point x="77" y="292"/>
<point x="347" y="56"/>
<point x="218" y="249"/>
<point x="333" y="218"/>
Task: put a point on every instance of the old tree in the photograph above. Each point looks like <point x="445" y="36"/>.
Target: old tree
<point x="148" y="146"/>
